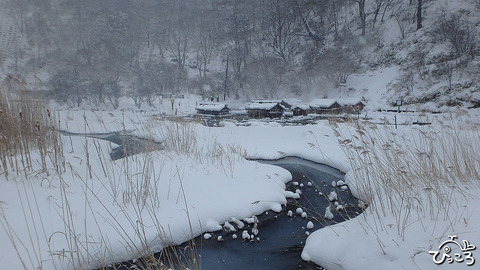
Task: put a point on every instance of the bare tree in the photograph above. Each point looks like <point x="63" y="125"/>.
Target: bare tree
<point x="460" y="33"/>
<point x="239" y="37"/>
<point x="446" y="71"/>
<point x="362" y="15"/>
<point x="266" y="76"/>
<point x="180" y="34"/>
<point x="312" y="15"/>
<point x="179" y="45"/>
<point x="206" y="40"/>
<point x="337" y="64"/>
<point x="402" y="16"/>
<point x="18" y="9"/>
<point x="379" y="5"/>
<point x="280" y="27"/>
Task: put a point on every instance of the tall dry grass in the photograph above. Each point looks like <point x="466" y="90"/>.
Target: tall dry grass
<point x="27" y="127"/>
<point x="414" y="173"/>
<point x="29" y="147"/>
<point x="131" y="185"/>
<point x="181" y="138"/>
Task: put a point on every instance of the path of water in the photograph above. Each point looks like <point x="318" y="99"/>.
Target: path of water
<point x="281" y="236"/>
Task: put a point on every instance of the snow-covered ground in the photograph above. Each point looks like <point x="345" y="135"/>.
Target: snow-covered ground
<point x="99" y="211"/>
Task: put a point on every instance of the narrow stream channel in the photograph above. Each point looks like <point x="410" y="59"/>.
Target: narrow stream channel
<point x="281" y="236"/>
<point x="128" y="144"/>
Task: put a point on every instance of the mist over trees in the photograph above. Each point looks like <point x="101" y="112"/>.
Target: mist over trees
<point x="97" y="51"/>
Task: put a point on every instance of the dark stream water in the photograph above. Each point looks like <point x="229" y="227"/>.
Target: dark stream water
<point x="280" y="237"/>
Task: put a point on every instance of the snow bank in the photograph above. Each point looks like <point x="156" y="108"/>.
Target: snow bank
<point x="102" y="211"/>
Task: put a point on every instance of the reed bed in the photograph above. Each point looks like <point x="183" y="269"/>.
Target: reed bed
<point x="27" y="128"/>
<point x="415" y="173"/>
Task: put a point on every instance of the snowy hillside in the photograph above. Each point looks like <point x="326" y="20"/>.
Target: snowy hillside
<point x="245" y="49"/>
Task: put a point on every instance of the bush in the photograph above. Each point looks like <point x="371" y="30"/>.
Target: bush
<point x="460" y="33"/>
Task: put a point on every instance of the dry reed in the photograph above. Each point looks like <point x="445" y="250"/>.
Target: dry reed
<point x="413" y="174"/>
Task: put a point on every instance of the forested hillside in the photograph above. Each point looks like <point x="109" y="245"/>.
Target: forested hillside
<point x="96" y="51"/>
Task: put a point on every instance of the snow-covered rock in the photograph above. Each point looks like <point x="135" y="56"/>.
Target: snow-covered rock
<point x="245" y="235"/>
<point x="310" y="225"/>
<point x="239" y="223"/>
<point x="328" y="213"/>
<point x="332" y="196"/>
<point x="229" y="227"/>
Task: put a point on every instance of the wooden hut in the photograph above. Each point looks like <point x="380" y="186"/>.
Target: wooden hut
<point x="351" y="105"/>
<point x="301" y="109"/>
<point x="325" y="106"/>
<point x="264" y="110"/>
<point x="212" y="108"/>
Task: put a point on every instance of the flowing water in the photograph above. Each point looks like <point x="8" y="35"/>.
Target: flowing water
<point x="281" y="236"/>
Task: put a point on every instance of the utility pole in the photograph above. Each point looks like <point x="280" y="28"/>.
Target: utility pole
<point x="226" y="82"/>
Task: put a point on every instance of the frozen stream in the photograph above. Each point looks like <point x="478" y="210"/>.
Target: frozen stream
<point x="128" y="144"/>
<point x="281" y="236"/>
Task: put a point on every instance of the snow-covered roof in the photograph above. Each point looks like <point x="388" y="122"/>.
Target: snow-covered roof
<point x="322" y="102"/>
<point x="261" y="101"/>
<point x="349" y="101"/>
<point x="211" y="106"/>
<point x="261" y="106"/>
<point x="301" y="106"/>
<point x="292" y="101"/>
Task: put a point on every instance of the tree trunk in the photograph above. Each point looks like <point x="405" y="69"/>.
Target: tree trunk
<point x="363" y="15"/>
<point x="419" y="14"/>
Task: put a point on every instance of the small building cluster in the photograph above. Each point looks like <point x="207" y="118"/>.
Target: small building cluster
<point x="276" y="108"/>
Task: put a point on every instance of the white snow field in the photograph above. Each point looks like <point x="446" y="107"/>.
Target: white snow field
<point x="99" y="211"/>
